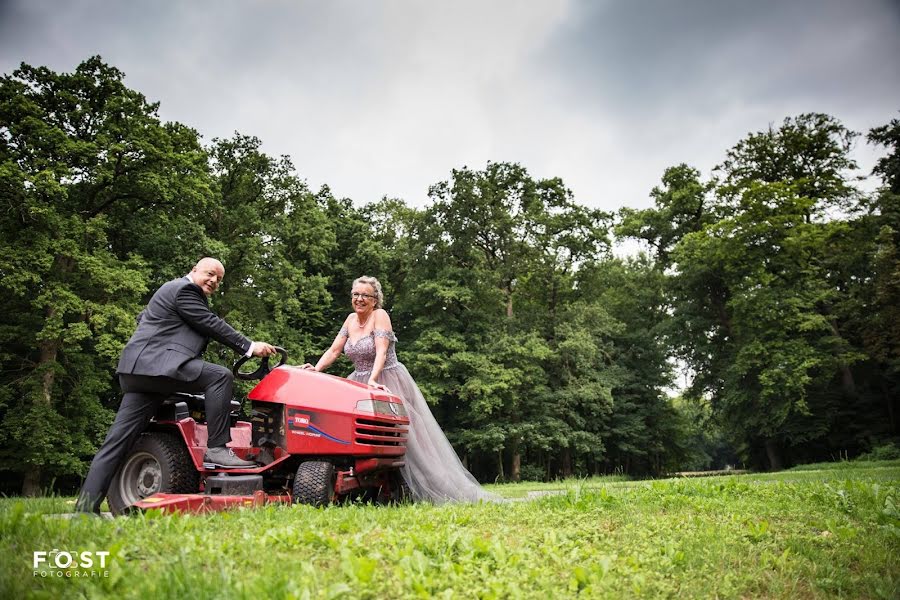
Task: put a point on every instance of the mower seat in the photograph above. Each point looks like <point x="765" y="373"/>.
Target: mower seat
<point x="181" y="405"/>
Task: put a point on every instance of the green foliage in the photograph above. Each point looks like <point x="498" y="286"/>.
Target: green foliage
<point x="274" y="238"/>
<point x="769" y="276"/>
<point x="881" y="327"/>
<point x="889" y="451"/>
<point x="516" y="351"/>
<point x="81" y="156"/>
<point x="681" y="207"/>
<point x="775" y="284"/>
<point x="642" y="431"/>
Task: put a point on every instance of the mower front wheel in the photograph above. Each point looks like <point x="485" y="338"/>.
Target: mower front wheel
<point x="158" y="462"/>
<point x="399" y="491"/>
<point x="314" y="483"/>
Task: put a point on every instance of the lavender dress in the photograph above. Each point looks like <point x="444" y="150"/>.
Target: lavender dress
<point x="433" y="471"/>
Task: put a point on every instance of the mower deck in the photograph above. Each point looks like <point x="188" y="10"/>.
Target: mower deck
<point x="203" y="503"/>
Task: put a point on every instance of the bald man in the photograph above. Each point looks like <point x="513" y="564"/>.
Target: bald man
<point x="162" y="357"/>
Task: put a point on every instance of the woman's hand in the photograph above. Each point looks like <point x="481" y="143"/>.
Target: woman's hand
<point x="307" y="366"/>
<point x="379" y="386"/>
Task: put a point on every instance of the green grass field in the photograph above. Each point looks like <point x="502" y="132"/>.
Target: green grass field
<point x="823" y="531"/>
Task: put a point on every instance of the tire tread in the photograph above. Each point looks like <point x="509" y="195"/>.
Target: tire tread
<point x="170" y="451"/>
<point x="314" y="483"/>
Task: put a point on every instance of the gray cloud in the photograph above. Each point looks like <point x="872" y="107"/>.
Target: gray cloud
<point x="385" y="98"/>
<point x="634" y="55"/>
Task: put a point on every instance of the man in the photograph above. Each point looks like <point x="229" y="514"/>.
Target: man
<point x="162" y="357"/>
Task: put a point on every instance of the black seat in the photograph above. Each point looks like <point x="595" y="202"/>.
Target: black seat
<point x="181" y="405"/>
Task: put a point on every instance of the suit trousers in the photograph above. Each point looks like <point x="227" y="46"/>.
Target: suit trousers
<point x="143" y="397"/>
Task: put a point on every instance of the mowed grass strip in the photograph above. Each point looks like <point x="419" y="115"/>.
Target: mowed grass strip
<point x="818" y="533"/>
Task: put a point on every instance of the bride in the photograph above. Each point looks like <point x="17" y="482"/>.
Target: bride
<point x="433" y="471"/>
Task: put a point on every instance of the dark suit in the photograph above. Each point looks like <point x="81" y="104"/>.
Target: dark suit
<point x="162" y="357"/>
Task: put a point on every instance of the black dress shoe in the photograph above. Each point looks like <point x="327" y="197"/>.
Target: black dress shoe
<point x="224" y="458"/>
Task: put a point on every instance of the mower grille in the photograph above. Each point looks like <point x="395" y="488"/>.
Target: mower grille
<point x="379" y="433"/>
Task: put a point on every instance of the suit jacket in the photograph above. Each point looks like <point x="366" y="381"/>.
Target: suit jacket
<point x="173" y="332"/>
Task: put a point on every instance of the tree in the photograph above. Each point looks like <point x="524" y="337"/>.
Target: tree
<point x="275" y="239"/>
<point x="92" y="179"/>
<point x="881" y="328"/>
<point x="769" y="283"/>
<point x="493" y="271"/>
<point x="754" y="287"/>
<point x="639" y="433"/>
<point x="681" y="205"/>
<point x="463" y="289"/>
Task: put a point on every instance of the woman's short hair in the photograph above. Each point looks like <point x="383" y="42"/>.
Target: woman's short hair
<point x="376" y="285"/>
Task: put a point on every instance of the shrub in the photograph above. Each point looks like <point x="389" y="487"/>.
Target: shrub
<point x="532" y="473"/>
<point x="888" y="451"/>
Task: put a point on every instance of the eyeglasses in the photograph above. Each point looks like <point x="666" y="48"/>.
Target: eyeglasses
<point x="360" y="295"/>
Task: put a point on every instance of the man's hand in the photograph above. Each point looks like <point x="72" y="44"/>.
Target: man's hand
<point x="263" y="349"/>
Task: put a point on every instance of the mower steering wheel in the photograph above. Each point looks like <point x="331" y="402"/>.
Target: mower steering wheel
<point x="263" y="368"/>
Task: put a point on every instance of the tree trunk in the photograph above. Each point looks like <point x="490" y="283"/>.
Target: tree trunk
<point x="566" y="463"/>
<point x="889" y="403"/>
<point x="554" y="289"/>
<point x="49" y="351"/>
<point x="31" y="486"/>
<point x="515" y="471"/>
<point x="515" y="466"/>
<point x="774" y="454"/>
<point x="847" y="382"/>
<point x="501" y="476"/>
<point x="63" y="266"/>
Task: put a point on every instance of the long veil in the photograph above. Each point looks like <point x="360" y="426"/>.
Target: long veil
<point x="433" y="471"/>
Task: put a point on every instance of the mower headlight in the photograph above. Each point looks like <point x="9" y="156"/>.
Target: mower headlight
<point x="380" y="407"/>
<point x="391" y="408"/>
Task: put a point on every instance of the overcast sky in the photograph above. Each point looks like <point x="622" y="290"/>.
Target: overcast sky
<point x="380" y="98"/>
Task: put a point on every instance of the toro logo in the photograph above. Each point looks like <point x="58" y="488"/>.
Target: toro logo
<point x="301" y="420"/>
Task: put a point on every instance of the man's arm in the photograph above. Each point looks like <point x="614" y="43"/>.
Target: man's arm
<point x="192" y="308"/>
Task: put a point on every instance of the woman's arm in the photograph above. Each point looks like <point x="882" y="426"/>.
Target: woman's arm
<point x="382" y="322"/>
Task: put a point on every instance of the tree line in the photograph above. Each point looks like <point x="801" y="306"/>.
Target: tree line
<point x="774" y="281"/>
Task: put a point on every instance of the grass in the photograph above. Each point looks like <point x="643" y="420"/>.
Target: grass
<point x="523" y="489"/>
<point x="832" y="531"/>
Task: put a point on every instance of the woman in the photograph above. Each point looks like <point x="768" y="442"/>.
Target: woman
<point x="433" y="471"/>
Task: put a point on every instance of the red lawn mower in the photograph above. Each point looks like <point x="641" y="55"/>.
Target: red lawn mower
<point x="318" y="438"/>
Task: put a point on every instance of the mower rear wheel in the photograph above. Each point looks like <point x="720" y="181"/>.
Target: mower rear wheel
<point x="314" y="483"/>
<point x="158" y="462"/>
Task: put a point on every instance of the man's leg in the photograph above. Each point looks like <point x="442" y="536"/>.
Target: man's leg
<point x="134" y="414"/>
<point x="217" y="384"/>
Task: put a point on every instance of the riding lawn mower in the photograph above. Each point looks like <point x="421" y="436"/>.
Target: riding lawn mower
<point x="318" y="439"/>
